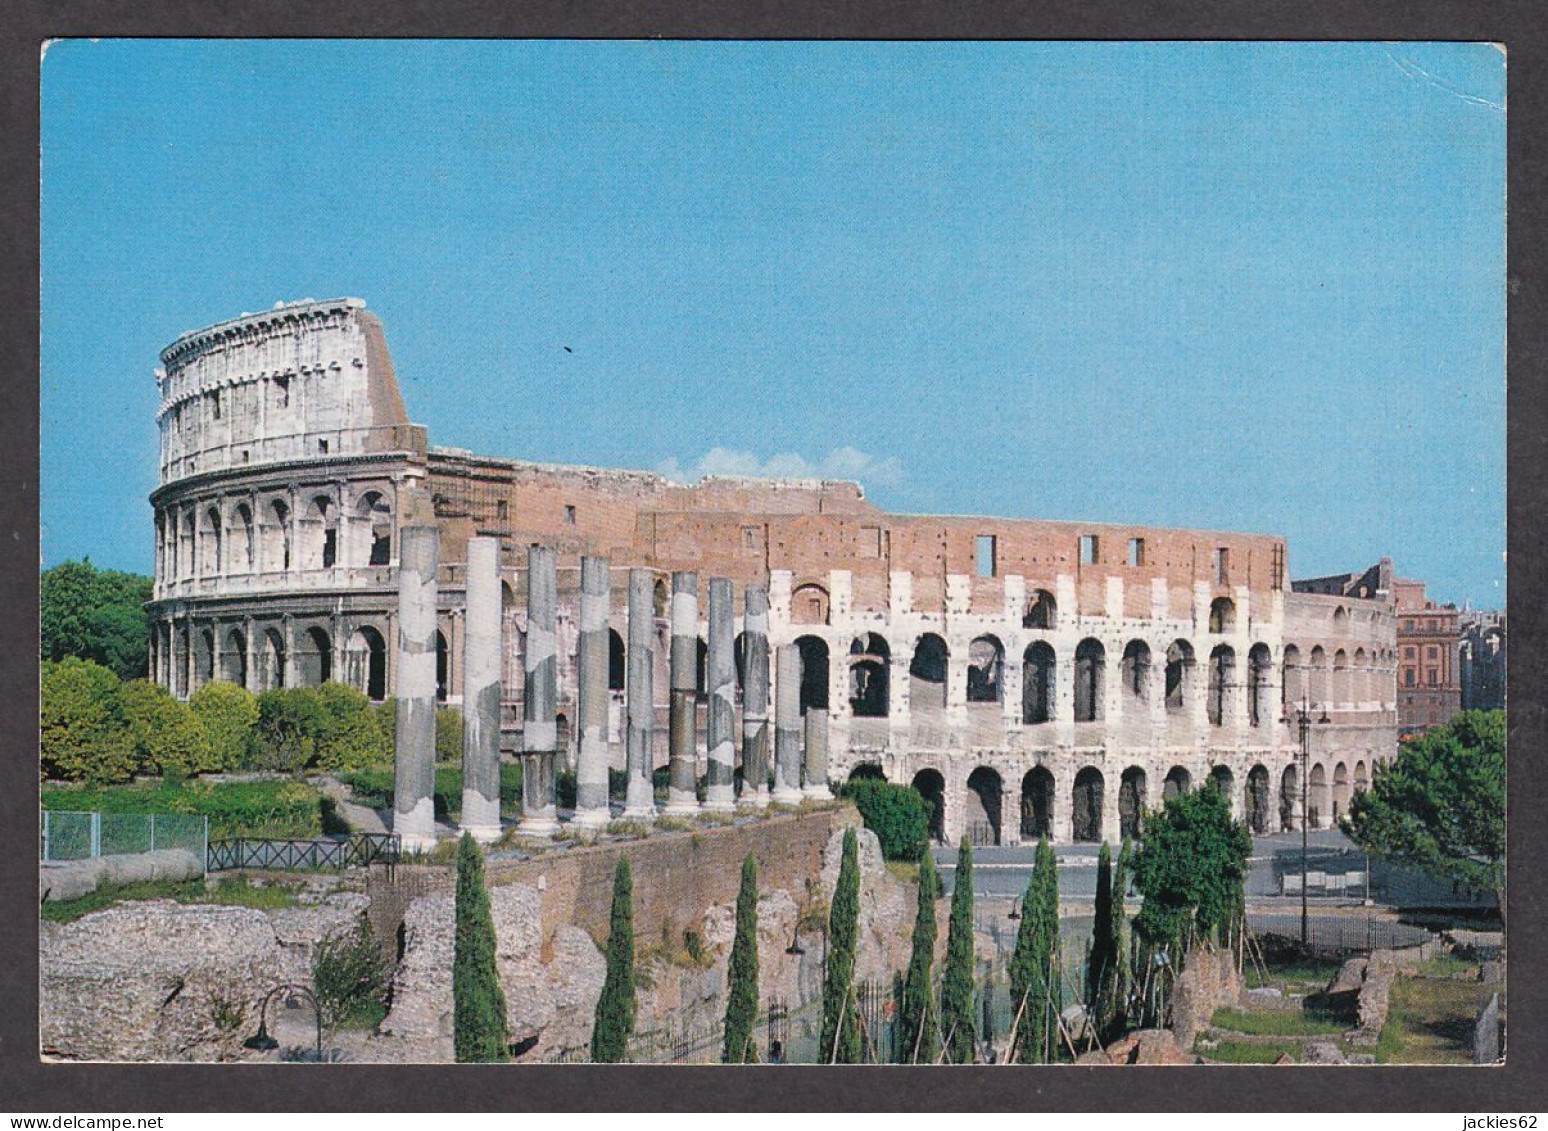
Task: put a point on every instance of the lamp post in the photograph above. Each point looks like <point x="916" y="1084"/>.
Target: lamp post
<point x="1303" y="724"/>
<point x="261" y="1041"/>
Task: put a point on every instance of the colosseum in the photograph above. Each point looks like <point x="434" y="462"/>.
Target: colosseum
<point x="1028" y="677"/>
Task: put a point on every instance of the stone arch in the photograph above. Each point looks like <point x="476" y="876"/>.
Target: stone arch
<point x="1179" y="676"/>
<point x="367" y="658"/>
<point x="1038" y="675"/>
<point x="242" y="541"/>
<point x="1259" y="800"/>
<point x="1317" y="677"/>
<point x="210" y="544"/>
<point x="931" y="785"/>
<point x="1222" y="684"/>
<point x="869" y="662"/>
<point x="1221" y="778"/>
<point x="1361" y="781"/>
<point x="1289" y="797"/>
<point x="867" y="771"/>
<point x="443" y="667"/>
<point x="1037" y="804"/>
<point x="204" y="658"/>
<point x="617" y="667"/>
<point x="1222" y="616"/>
<point x="1178" y="782"/>
<point x="1340" y="791"/>
<point x="928" y="673"/>
<point x="1340" y="619"/>
<point x="373" y="525"/>
<point x="986" y="670"/>
<point x="276" y="538"/>
<point x="233" y="658"/>
<point x="314" y="659"/>
<point x="809" y="604"/>
<point x="273" y="662"/>
<point x="985" y="796"/>
<point x="1090" y="676"/>
<point x="1135" y="669"/>
<point x="1260" y="707"/>
<point x="1319" y="802"/>
<point x="814" y="673"/>
<point x="1086" y="806"/>
<point x="1042" y="611"/>
<point x="1131" y="802"/>
<point x="1360" y="677"/>
<point x="323" y="542"/>
<point x="1293" y="680"/>
<point x="658" y="599"/>
<point x="1340" y="692"/>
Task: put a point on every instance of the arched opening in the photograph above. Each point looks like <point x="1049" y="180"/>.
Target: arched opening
<point x="233" y="658"/>
<point x="1136" y="673"/>
<point x="1340" y="619"/>
<point x="867" y="771"/>
<point x="373" y="523"/>
<point x="869" y="657"/>
<point x="273" y="674"/>
<point x="983" y="806"/>
<point x="1340" y="791"/>
<point x="986" y="670"/>
<point x="1361" y="782"/>
<point x="204" y="657"/>
<point x="1259" y="663"/>
<point x="1292" y="687"/>
<point x="1318" y="801"/>
<point x="1340" y="677"/>
<point x="1222" y="684"/>
<point x="809" y="604"/>
<point x="658" y="599"/>
<point x="1042" y="611"/>
<point x="1131" y="802"/>
<point x="1090" y="660"/>
<point x="1360" y="677"/>
<point x="814" y="673"/>
<point x="1178" y="781"/>
<point x="562" y="740"/>
<point x="927" y="673"/>
<point x="314" y="662"/>
<point x="367" y="656"/>
<point x="276" y="538"/>
<point x="1221" y="778"/>
<point x="1037" y="804"/>
<point x="701" y="670"/>
<point x="1179" y="674"/>
<point x="322" y="517"/>
<point x="442" y="668"/>
<point x="616" y="668"/>
<point x="1259" y="803"/>
<point x="210" y="541"/>
<point x="1037" y="683"/>
<point x="190" y="543"/>
<point x="1222" y="615"/>
<point x="1317" y="677"/>
<point x="1289" y="797"/>
<point x="242" y="543"/>
<point x="1087" y="811"/>
<point x="932" y="787"/>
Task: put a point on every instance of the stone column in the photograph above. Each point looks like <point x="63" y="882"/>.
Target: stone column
<point x="539" y="693"/>
<point x="591" y="804"/>
<point x="816" y="766"/>
<point x="787" y="725"/>
<point x="413" y="805"/>
<point x="720" y="796"/>
<point x="639" y="802"/>
<point x="683" y="725"/>
<point x="755" y="698"/>
<point x="481" y="648"/>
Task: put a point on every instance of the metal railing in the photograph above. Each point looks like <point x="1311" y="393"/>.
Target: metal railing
<point x="276" y="854"/>
<point x="72" y="835"/>
<point x="1343" y="934"/>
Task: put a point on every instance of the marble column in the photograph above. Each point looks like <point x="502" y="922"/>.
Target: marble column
<point x="539" y="694"/>
<point x="482" y="647"/>
<point x="720" y="794"/>
<point x="640" y="705"/>
<point x="683" y="725"/>
<point x="591" y="803"/>
<point x="413" y="804"/>
<point x="787" y="725"/>
<point x="816" y="763"/>
<point x="755" y="698"/>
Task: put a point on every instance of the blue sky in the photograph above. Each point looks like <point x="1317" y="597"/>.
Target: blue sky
<point x="1254" y="287"/>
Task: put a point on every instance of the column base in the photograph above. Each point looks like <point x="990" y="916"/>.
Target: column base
<point x="758" y="799"/>
<point x="681" y="806"/>
<point x="592" y="818"/>
<point x="818" y="792"/>
<point x="788" y="795"/>
<point x="645" y="813"/>
<point x="484" y="834"/>
<point x="720" y="804"/>
<point x="417" y="842"/>
<point x="539" y="824"/>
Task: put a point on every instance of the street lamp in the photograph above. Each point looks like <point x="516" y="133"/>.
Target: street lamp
<point x="1303" y="724"/>
<point x="261" y="1041"/>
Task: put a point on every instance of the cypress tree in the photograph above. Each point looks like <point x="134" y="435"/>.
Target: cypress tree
<point x="958" y="1023"/>
<point x="840" y="1041"/>
<point x="1123" y="970"/>
<point x="1036" y="992"/>
<point x="919" y="1030"/>
<point x="616" y="1006"/>
<point x="742" y="993"/>
<point x="1101" y="958"/>
<point x="478" y="1004"/>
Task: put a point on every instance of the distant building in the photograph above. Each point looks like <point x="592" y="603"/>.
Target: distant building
<point x="1482" y="654"/>
<point x="1429" y="672"/>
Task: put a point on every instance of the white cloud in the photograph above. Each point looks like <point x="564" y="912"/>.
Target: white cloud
<point x="840" y="463"/>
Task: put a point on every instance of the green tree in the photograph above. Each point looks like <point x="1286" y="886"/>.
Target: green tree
<point x="168" y="738"/>
<point x="96" y="615"/>
<point x="1122" y="941"/>
<point x="1440" y="805"/>
<point x="616" y="1007"/>
<point x="1191" y="868"/>
<point x="840" y="1042"/>
<point x="898" y="815"/>
<point x="81" y="715"/>
<point x="1102" y="958"/>
<point x="742" y="993"/>
<point x="347" y="736"/>
<point x="230" y="717"/>
<point x="919" y="1029"/>
<point x="478" y="1003"/>
<point x="957" y="1020"/>
<point x="1036" y="990"/>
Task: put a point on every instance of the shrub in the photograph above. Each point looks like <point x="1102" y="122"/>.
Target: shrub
<point x="167" y="736"/>
<point x="616" y="1007"/>
<point x="742" y="973"/>
<point x="899" y="815"/>
<point x="349" y="735"/>
<point x="478" y="1003"/>
<point x="289" y="721"/>
<point x="349" y="977"/>
<point x="840" y="1041"/>
<point x="230" y="717"/>
<point x="448" y="735"/>
<point x="959" y="1029"/>
<point x="83" y="734"/>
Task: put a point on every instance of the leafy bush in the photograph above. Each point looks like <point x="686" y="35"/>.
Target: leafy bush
<point x="230" y="715"/>
<point x="332" y="727"/>
<point x="374" y="787"/>
<point x="349" y="976"/>
<point x="167" y="736"/>
<point x="899" y="815"/>
<point x="83" y="732"/>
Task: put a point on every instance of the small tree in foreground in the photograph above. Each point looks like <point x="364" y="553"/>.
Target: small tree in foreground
<point x="742" y="992"/>
<point x="919" y="1030"/>
<point x="958" y="1025"/>
<point x="616" y="1007"/>
<point x="1036" y="993"/>
<point x="478" y="1004"/>
<point x="840" y="1042"/>
<point x="1102" y="960"/>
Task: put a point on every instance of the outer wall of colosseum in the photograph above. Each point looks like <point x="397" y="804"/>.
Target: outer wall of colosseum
<point x="1032" y="677"/>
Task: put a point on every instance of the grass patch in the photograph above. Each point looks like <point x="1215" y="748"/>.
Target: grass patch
<point x="1447" y="966"/>
<point x="1276" y="1023"/>
<point x="236" y="891"/>
<point x="1431" y="1021"/>
<point x="374" y="788"/>
<point x="905" y="870"/>
<point x="1248" y="1052"/>
<point x="276" y="808"/>
<point x="1301" y="974"/>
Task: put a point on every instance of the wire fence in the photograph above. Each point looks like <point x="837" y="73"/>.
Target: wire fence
<point x="68" y="835"/>
<point x="278" y="854"/>
<point x="1342" y="934"/>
